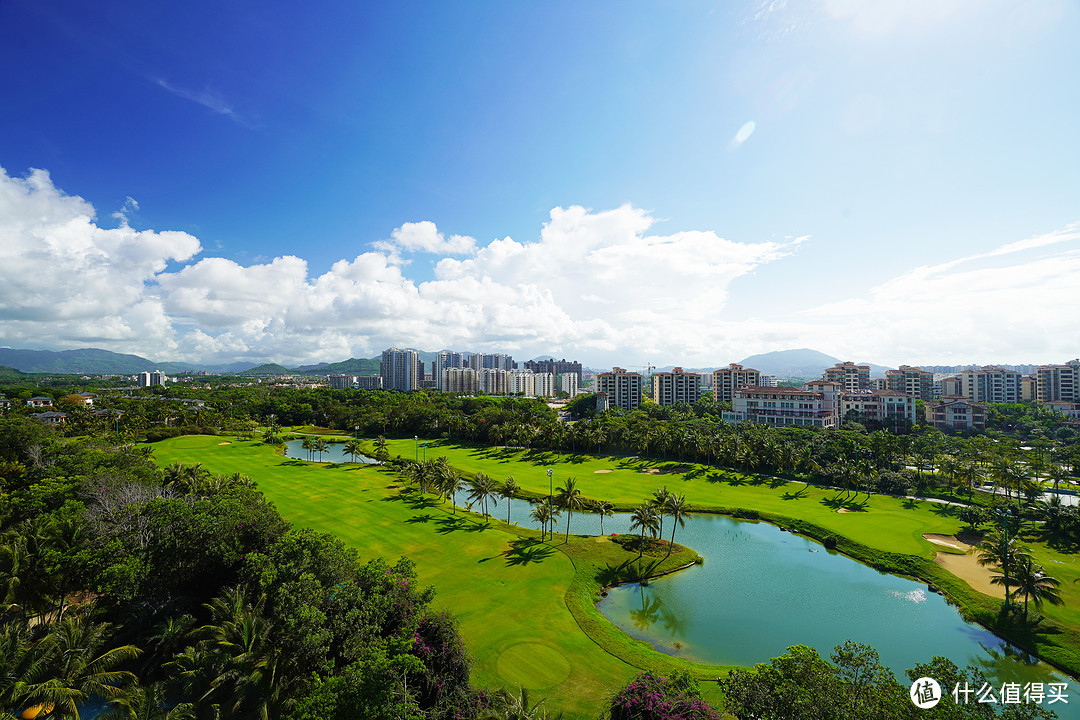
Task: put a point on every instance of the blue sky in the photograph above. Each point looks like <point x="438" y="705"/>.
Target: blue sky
<point x="676" y="183"/>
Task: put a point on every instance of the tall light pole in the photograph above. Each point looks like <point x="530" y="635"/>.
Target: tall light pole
<point x="549" y="472"/>
<point x="355" y="430"/>
<point x="1005" y="558"/>
<point x="416" y="448"/>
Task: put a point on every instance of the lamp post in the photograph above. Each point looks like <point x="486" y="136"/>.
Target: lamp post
<point x="1005" y="557"/>
<point x="355" y="430"/>
<point x="549" y="473"/>
<point x="416" y="448"/>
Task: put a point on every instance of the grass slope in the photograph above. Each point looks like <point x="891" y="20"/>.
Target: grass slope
<point x="506" y="588"/>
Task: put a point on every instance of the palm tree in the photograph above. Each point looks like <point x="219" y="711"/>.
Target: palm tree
<point x="644" y="517"/>
<point x="507" y="706"/>
<point x="541" y="513"/>
<point x="604" y="509"/>
<point x="510" y="490"/>
<point x="82" y="670"/>
<point x="381" y="453"/>
<point x="482" y="489"/>
<point x="679" y="510"/>
<point x="319" y="446"/>
<point x="23" y="664"/>
<point x="254" y="681"/>
<point x="1034" y="583"/>
<point x="569" y="497"/>
<point x="146" y="703"/>
<point x="659" y="500"/>
<point x="997" y="548"/>
<point x="309" y="446"/>
<point x="448" y="480"/>
<point x="354" y="448"/>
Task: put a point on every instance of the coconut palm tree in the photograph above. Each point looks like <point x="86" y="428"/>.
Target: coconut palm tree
<point x="1034" y="583"/>
<point x="448" y="480"/>
<point x="254" y="681"/>
<point x="508" y="706"/>
<point x="482" y="489"/>
<point x="146" y="703"/>
<point x="23" y="665"/>
<point x="643" y="517"/>
<point x="659" y="502"/>
<point x="319" y="445"/>
<point x="510" y="490"/>
<point x="354" y="448"/>
<point x="381" y="452"/>
<point x="83" y="669"/>
<point x="604" y="509"/>
<point x="679" y="510"/>
<point x="308" y="445"/>
<point x="541" y="514"/>
<point x="997" y="548"/>
<point x="570" y="499"/>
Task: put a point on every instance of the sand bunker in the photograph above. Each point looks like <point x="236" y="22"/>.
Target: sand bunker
<point x="605" y="470"/>
<point x="966" y="566"/>
<point x="850" y="510"/>
<point x="225" y="443"/>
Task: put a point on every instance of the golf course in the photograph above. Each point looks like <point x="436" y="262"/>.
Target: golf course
<point x="526" y="606"/>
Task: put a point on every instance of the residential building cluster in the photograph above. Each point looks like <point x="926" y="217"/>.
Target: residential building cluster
<point x="469" y="374"/>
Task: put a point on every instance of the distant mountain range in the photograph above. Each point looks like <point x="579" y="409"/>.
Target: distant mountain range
<point x="802" y="363"/>
<point x="93" y="361"/>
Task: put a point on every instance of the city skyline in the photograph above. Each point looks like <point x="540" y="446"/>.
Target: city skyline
<point x="686" y="185"/>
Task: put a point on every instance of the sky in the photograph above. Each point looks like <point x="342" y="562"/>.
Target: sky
<point x="675" y="183"/>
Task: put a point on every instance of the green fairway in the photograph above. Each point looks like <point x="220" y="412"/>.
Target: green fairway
<point x="891" y="524"/>
<point x="507" y="589"/>
<point x="526" y="608"/>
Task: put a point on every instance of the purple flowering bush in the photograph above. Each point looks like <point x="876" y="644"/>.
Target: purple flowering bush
<point x="654" y="697"/>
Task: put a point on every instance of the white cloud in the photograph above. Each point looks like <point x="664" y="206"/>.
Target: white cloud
<point x="972" y="309"/>
<point x="603" y="287"/>
<point x="425" y="237"/>
<point x="208" y="98"/>
<point x="65" y="281"/>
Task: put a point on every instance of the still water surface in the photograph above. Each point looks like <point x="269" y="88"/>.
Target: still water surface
<point x="762" y="590"/>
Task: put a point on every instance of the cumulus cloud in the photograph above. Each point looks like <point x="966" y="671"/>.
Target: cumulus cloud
<point x="65" y="281"/>
<point x="425" y="237"/>
<point x="602" y="286"/>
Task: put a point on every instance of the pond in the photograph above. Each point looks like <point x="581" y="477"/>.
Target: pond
<point x="334" y="453"/>
<point x="761" y="590"/>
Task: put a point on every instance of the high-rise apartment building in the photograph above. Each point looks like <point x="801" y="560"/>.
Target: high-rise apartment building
<point x="401" y="370"/>
<point x="850" y="376"/>
<point x="569" y="384"/>
<point x="555" y="367"/>
<point x="148" y="379"/>
<point x="443" y="361"/>
<point x="725" y="381"/>
<point x="676" y="386"/>
<point x="911" y="381"/>
<point x="619" y="388"/>
<point x="1058" y="382"/>
<point x="990" y="385"/>
<point x="491" y="361"/>
<point x="341" y="382"/>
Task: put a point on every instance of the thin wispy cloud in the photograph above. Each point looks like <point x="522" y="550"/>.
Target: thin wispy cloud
<point x="207" y="98"/>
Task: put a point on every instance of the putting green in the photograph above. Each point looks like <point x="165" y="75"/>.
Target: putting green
<point x="533" y="665"/>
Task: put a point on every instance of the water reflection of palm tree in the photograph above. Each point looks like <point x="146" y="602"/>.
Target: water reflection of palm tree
<point x="648" y="614"/>
<point x="674" y="623"/>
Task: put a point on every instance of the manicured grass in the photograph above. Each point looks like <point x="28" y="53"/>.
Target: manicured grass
<point x="507" y="589"/>
<point x="883" y="524"/>
<point x="524" y="604"/>
<point x="891" y="524"/>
